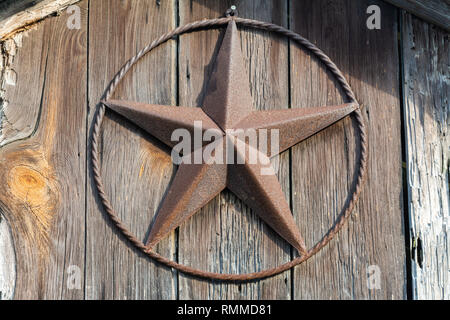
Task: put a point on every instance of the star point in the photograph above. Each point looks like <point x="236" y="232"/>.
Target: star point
<point x="228" y="99"/>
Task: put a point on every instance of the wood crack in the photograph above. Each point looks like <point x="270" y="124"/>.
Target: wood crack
<point x="13" y="22"/>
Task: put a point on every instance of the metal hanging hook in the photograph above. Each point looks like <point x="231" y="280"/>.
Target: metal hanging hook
<point x="231" y="12"/>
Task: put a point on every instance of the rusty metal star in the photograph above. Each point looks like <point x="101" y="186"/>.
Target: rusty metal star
<point x="228" y="105"/>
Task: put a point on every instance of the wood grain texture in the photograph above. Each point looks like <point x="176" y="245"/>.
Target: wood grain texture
<point x="136" y="168"/>
<point x="426" y="90"/>
<point x="323" y="167"/>
<point x="434" y="11"/>
<point x="225" y="236"/>
<point x="43" y="191"/>
<point x="17" y="16"/>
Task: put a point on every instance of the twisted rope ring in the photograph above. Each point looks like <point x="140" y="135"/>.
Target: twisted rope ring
<point x="196" y="26"/>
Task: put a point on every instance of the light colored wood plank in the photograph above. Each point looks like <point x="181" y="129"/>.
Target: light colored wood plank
<point x="43" y="189"/>
<point x="7" y="262"/>
<point x="426" y="90"/>
<point x="434" y="11"/>
<point x="20" y="15"/>
<point x="225" y="236"/>
<point x="136" y="168"/>
<point x="323" y="167"/>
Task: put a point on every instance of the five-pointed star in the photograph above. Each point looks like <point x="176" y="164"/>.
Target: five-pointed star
<point x="228" y="105"/>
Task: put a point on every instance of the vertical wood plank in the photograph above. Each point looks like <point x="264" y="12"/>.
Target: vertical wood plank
<point x="43" y="189"/>
<point x="426" y="60"/>
<point x="371" y="246"/>
<point x="135" y="167"/>
<point x="225" y="236"/>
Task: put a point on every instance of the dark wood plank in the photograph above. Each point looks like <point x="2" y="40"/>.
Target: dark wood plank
<point x="43" y="189"/>
<point x="323" y="167"/>
<point x="226" y="236"/>
<point x="10" y="7"/>
<point x="136" y="170"/>
<point x="426" y="90"/>
<point x="434" y="11"/>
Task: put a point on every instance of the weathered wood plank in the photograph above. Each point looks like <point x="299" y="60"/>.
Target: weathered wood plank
<point x="16" y="125"/>
<point x="323" y="167"/>
<point x="7" y="262"/>
<point x="17" y="16"/>
<point x="426" y="90"/>
<point x="226" y="236"/>
<point x="136" y="170"/>
<point x="43" y="189"/>
<point x="434" y="11"/>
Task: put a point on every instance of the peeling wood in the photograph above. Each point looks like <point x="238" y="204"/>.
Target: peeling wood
<point x="426" y="86"/>
<point x="16" y="19"/>
<point x="13" y="125"/>
<point x="7" y="261"/>
<point x="434" y="11"/>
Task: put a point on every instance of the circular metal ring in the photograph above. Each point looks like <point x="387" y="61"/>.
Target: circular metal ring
<point x="214" y="23"/>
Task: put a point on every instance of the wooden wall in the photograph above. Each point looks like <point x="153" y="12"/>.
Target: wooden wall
<point x="55" y="240"/>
